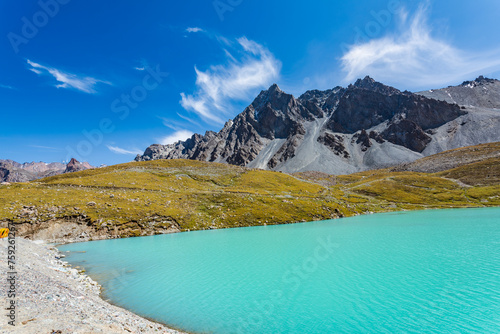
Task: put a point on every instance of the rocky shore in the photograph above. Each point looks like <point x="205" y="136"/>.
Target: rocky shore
<point x="53" y="297"/>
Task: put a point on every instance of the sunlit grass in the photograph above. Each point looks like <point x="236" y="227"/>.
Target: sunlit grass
<point x="200" y="195"/>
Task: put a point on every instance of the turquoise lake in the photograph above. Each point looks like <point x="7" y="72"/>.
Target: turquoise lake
<point x="435" y="271"/>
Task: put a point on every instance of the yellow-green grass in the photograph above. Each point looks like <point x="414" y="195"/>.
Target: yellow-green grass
<point x="482" y="173"/>
<point x="461" y="156"/>
<point x="194" y="194"/>
<point x="200" y="195"/>
<point x="471" y="152"/>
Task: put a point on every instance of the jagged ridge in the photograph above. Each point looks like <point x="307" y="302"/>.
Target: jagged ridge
<point x="342" y="130"/>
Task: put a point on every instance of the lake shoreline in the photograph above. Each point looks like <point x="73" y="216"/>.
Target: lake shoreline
<point x="71" y="240"/>
<point x="428" y="232"/>
<point x="42" y="259"/>
<point x="53" y="296"/>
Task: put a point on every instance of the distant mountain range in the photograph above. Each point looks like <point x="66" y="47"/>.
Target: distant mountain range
<point x="12" y="171"/>
<point x="367" y="125"/>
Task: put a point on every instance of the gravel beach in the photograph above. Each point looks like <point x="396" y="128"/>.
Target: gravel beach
<point x="52" y="297"/>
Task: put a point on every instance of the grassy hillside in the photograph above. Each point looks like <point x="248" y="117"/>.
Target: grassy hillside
<point x="152" y="197"/>
<point x="452" y="158"/>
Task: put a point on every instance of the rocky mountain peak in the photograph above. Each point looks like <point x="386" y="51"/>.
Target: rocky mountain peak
<point x="480" y="80"/>
<point x="368" y="83"/>
<point x="274" y="95"/>
<point x="75" y="166"/>
<point x="275" y="88"/>
<point x="274" y="105"/>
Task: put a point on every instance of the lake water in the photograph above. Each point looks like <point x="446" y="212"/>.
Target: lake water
<point x="430" y="271"/>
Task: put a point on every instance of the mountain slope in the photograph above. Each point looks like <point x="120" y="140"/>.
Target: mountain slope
<point x="452" y="159"/>
<point x="481" y="92"/>
<point x="365" y="126"/>
<point x="154" y="197"/>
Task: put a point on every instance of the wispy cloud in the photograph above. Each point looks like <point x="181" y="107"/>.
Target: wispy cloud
<point x="67" y="80"/>
<point x="143" y="64"/>
<point x="176" y="136"/>
<point x="6" y="86"/>
<point x="221" y="85"/>
<point x="45" y="147"/>
<point x="119" y="150"/>
<point x="188" y="119"/>
<point x="414" y="57"/>
<point x="194" y="29"/>
<point x="179" y="125"/>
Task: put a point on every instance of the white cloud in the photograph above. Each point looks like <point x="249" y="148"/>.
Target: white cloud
<point x="220" y="85"/>
<point x="119" y="150"/>
<point x="176" y="136"/>
<point x="194" y="29"/>
<point x="67" y="80"/>
<point x="139" y="68"/>
<point x="414" y="57"/>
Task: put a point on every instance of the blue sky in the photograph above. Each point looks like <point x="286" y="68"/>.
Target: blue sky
<point x="102" y="80"/>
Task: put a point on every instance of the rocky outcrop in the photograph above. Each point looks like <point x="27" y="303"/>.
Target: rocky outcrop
<point x="408" y="134"/>
<point x="341" y="130"/>
<point x="335" y="143"/>
<point x="79" y="228"/>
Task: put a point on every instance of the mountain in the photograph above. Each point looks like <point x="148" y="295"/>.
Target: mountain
<point x="76" y="166"/>
<point x="12" y="171"/>
<point x="367" y="125"/>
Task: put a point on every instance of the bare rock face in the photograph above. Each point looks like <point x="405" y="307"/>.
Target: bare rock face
<point x="335" y="143"/>
<point x="408" y="134"/>
<point x="368" y="103"/>
<point x="342" y="130"/>
<point x="363" y="140"/>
